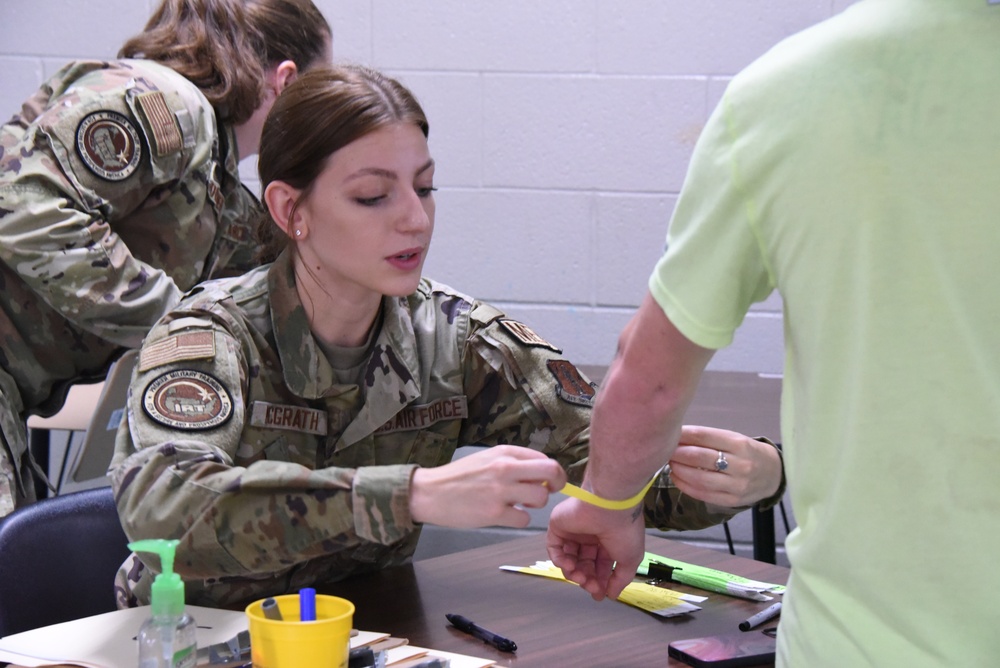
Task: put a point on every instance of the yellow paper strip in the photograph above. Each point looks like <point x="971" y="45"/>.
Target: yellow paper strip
<point x="657" y="600"/>
<point x="569" y="489"/>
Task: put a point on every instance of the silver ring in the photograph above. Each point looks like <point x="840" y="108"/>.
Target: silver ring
<point x="721" y="464"/>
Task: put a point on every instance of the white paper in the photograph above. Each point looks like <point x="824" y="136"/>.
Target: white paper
<point x="109" y="640"/>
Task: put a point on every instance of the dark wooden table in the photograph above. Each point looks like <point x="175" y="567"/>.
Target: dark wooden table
<point x="553" y="623"/>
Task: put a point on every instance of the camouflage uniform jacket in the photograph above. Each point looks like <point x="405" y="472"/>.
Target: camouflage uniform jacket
<point x="118" y="192"/>
<point x="239" y="442"/>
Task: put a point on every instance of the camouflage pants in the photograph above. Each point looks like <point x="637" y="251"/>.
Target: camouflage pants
<point x="17" y="487"/>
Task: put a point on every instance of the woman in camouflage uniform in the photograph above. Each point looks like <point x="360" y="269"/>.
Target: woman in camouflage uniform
<point x="297" y="424"/>
<point x="119" y="191"/>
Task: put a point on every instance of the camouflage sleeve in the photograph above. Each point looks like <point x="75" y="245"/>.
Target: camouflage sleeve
<point x="197" y="480"/>
<point x="666" y="508"/>
<point x="85" y="161"/>
<point x="72" y="260"/>
<point x="522" y="391"/>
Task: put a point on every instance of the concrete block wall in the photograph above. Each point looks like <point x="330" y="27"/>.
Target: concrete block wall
<point x="561" y="130"/>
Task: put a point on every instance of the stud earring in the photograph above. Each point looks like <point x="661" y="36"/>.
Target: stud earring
<point x="298" y="233"/>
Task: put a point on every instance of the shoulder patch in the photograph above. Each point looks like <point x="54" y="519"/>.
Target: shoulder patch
<point x="108" y="144"/>
<point x="166" y="130"/>
<point x="187" y="399"/>
<point x="178" y="348"/>
<point x="526" y="335"/>
<point x="570" y="385"/>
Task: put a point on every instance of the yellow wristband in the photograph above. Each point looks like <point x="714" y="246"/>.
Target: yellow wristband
<point x="570" y="489"/>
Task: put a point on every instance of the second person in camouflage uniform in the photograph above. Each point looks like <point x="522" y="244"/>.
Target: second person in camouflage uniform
<point x="297" y="425"/>
<point x="119" y="191"/>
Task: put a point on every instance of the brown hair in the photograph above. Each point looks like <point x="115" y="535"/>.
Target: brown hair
<point x="225" y="47"/>
<point x="319" y="113"/>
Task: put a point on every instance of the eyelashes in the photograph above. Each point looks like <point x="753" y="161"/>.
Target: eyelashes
<point x="423" y="193"/>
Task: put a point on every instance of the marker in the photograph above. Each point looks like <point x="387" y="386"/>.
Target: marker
<point x="764" y="615"/>
<point x="467" y="626"/>
<point x="307" y="605"/>
<point x="271" y="610"/>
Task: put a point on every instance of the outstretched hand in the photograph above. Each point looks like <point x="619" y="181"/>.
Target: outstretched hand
<point x="597" y="549"/>
<point x="487" y="488"/>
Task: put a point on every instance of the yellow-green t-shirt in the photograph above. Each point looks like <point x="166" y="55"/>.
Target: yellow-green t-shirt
<point x="855" y="168"/>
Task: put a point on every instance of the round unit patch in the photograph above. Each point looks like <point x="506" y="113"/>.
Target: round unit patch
<point x="187" y="399"/>
<point x="109" y="145"/>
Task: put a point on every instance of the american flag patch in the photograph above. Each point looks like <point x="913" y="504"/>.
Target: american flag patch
<point x="166" y="131"/>
<point x="177" y="348"/>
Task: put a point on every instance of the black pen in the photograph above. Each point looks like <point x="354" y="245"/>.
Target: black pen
<point x="467" y="626"/>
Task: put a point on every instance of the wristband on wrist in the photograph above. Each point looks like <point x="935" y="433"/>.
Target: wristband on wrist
<point x="570" y="489"/>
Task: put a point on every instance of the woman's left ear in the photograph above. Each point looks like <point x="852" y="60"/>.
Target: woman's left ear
<point x="280" y="199"/>
<point x="285" y="73"/>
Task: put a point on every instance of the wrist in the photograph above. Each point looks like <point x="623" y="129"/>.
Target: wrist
<point x="419" y="502"/>
<point x="608" y="504"/>
<point x="779" y="493"/>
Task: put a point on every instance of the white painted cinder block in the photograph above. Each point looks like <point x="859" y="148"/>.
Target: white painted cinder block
<point x="69" y="28"/>
<point x="696" y="36"/>
<point x="351" y="21"/>
<point x="590" y="132"/>
<point x="514" y="245"/>
<point x="452" y="102"/>
<point x="631" y="231"/>
<point x="508" y="36"/>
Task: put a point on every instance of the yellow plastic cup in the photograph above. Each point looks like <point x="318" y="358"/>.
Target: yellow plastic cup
<point x="289" y="643"/>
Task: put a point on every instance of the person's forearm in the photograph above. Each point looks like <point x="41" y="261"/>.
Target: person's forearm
<point x="633" y="432"/>
<point x="250" y="520"/>
<point x="640" y="408"/>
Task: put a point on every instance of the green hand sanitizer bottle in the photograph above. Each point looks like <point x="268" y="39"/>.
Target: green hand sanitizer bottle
<point x="167" y="638"/>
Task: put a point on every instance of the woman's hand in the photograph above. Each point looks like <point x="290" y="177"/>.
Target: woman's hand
<point x="753" y="472"/>
<point x="486" y="488"/>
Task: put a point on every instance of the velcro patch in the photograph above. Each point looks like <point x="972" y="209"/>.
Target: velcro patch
<point x="570" y="385"/>
<point x="187" y="399"/>
<point x="166" y="131"/>
<point x="214" y="190"/>
<point x="421" y="417"/>
<point x="178" y="348"/>
<point x="526" y="335"/>
<point x="108" y="144"/>
<point x="294" y="418"/>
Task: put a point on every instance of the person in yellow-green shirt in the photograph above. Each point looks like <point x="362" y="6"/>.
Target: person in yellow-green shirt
<point x="854" y="169"/>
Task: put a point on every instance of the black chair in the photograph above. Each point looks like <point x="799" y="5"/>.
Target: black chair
<point x="58" y="559"/>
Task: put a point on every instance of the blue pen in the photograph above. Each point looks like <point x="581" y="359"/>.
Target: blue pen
<point x="307" y="605"/>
